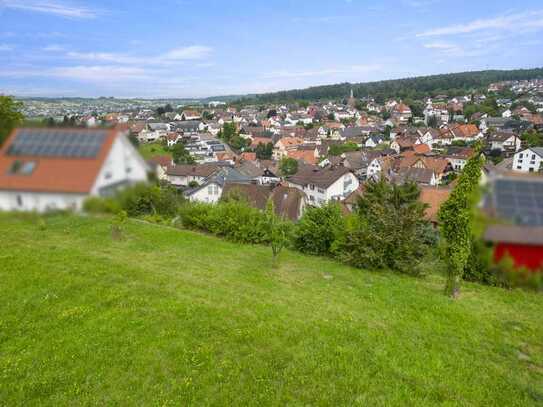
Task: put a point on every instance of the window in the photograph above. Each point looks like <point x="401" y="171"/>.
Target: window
<point x="108" y="175"/>
<point x="519" y="167"/>
<point x="19" y="201"/>
<point x="22" y="168"/>
<point x="531" y="169"/>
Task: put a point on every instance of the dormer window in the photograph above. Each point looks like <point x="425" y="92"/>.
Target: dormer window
<point x="19" y="167"/>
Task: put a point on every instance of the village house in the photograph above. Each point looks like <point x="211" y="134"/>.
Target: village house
<point x="458" y="157"/>
<point x="182" y="175"/>
<point x="47" y="169"/>
<point x="159" y="165"/>
<point x="401" y="113"/>
<point x="322" y="185"/>
<point x="153" y="132"/>
<point x="528" y="160"/>
<point x="190" y="115"/>
<point x="504" y="141"/>
<point x="284" y="145"/>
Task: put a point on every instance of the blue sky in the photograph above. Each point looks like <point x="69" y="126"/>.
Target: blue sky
<point x="196" y="48"/>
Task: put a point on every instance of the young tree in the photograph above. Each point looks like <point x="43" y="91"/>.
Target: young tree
<point x="456" y="219"/>
<point x="264" y="151"/>
<point x="10" y="116"/>
<point x="278" y="231"/>
<point x="288" y="166"/>
<point x="181" y="155"/>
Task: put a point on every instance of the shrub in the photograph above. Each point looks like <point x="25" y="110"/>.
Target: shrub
<point x="318" y="229"/>
<point x="143" y="199"/>
<point x="231" y="219"/>
<point x="98" y="205"/>
<point x="195" y="216"/>
<point x="479" y="265"/>
<point x="239" y="222"/>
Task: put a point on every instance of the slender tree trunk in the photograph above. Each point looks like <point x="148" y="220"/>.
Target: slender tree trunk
<point x="452" y="288"/>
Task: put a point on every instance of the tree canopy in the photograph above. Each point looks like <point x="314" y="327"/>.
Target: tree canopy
<point x="10" y="116"/>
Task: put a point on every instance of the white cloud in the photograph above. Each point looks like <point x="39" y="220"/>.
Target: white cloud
<point x="104" y="57"/>
<point x="419" y="3"/>
<point x="522" y="21"/>
<point x="453" y="50"/>
<point x="188" y="53"/>
<point x="100" y="73"/>
<point x="172" y="57"/>
<point x="53" y="48"/>
<point x="53" y="7"/>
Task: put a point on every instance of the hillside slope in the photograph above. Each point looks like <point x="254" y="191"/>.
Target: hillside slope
<point x="171" y="317"/>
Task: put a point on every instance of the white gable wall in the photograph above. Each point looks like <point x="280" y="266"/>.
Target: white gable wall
<point x="123" y="165"/>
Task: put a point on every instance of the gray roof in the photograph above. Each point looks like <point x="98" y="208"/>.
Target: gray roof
<point x="418" y="175"/>
<point x="538" y="151"/>
<point x="515" y="234"/>
<point x="322" y="177"/>
<point x="158" y="126"/>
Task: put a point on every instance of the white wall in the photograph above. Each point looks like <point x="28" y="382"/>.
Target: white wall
<point x="123" y="165"/>
<point x="209" y="194"/>
<point x="339" y="190"/>
<point x="40" y="202"/>
<point x="527" y="161"/>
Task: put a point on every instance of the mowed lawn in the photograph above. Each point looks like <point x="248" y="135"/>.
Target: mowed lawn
<point x="168" y="317"/>
<point x="150" y="150"/>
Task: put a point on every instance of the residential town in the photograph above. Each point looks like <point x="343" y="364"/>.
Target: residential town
<point x="309" y="154"/>
<point x="281" y="203"/>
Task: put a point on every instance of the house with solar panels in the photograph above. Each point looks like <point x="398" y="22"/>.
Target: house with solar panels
<point x="517" y="202"/>
<point x="49" y="169"/>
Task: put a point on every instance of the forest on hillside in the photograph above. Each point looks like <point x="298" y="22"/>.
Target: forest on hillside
<point x="408" y="88"/>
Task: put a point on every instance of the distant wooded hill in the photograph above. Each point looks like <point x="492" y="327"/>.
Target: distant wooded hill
<point x="408" y="88"/>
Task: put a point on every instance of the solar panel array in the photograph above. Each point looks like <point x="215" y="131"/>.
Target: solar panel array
<point x="58" y="144"/>
<point x="520" y="201"/>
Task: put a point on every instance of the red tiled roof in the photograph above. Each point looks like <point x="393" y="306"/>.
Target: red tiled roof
<point x="434" y="198"/>
<point x="54" y="174"/>
<point x="248" y="156"/>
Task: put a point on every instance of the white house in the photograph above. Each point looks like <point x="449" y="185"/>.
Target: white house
<point x="528" y="160"/>
<point x="322" y="185"/>
<point x="46" y="169"/>
<point x="373" y="141"/>
<point x="504" y="141"/>
<point x="208" y="192"/>
<point x="183" y="174"/>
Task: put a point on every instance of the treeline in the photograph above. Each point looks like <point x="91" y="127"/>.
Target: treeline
<point x="412" y="88"/>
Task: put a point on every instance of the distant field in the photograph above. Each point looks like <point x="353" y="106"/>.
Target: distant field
<point x="169" y="317"/>
<point x="152" y="149"/>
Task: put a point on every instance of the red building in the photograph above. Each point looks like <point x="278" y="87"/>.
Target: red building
<point x="523" y="243"/>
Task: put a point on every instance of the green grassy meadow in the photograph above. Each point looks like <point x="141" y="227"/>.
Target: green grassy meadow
<point x="150" y="150"/>
<point x="171" y="317"/>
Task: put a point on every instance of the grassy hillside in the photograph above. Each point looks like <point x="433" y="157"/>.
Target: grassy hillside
<point x="169" y="317"/>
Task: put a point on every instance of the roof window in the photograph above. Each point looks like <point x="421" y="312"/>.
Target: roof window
<point x="19" y="167"/>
